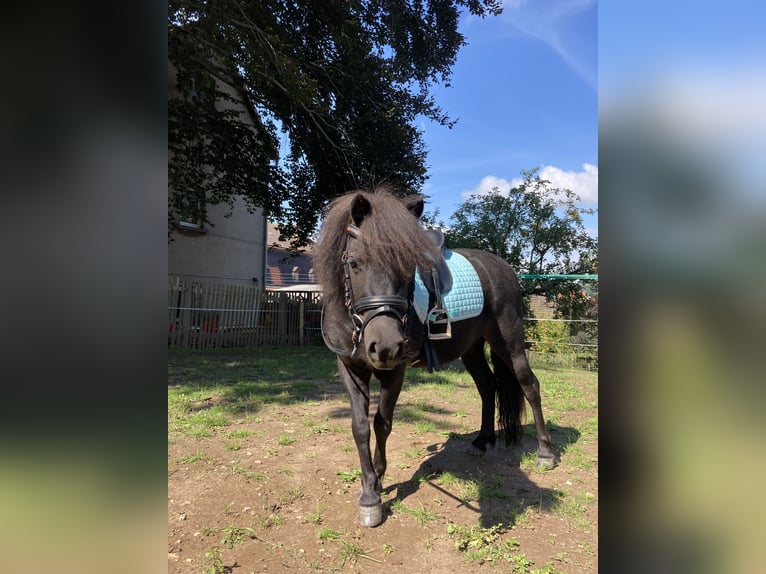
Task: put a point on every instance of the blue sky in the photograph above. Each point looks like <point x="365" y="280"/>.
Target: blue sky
<point x="524" y="91"/>
<point x="695" y="73"/>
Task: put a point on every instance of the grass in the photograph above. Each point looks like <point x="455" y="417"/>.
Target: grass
<point x="421" y="514"/>
<point x="291" y="495"/>
<point x="351" y="552"/>
<point x="349" y="476"/>
<point x="190" y="458"/>
<point x="285" y="439"/>
<point x="215" y="564"/>
<point x="241" y="433"/>
<point x="316" y="427"/>
<point x="328" y="534"/>
<point x="414" y="453"/>
<point x="229" y="400"/>
<point x="425" y="427"/>
<point x="573" y="507"/>
<point x="314" y="517"/>
<point x="466" y="489"/>
<point x="478" y="543"/>
<point x="235" y="535"/>
<point x="209" y="390"/>
<point x="578" y="458"/>
<point x="237" y="468"/>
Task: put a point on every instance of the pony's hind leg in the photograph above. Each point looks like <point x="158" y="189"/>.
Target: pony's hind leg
<point x="516" y="360"/>
<point x="476" y="364"/>
<point x="530" y="386"/>
<point x="510" y="401"/>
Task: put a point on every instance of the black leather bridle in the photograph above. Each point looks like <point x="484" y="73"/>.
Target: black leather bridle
<point x="364" y="309"/>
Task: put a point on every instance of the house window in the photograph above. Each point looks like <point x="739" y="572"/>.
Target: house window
<point x="195" y="225"/>
<point x="190" y="213"/>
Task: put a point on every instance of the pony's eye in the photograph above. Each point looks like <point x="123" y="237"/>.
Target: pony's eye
<point x="353" y="263"/>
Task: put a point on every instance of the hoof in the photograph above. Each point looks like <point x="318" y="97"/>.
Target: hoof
<point x="546" y="463"/>
<point x="481" y="443"/>
<point x="370" y="516"/>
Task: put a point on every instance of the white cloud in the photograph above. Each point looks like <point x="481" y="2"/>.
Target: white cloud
<point x="486" y="185"/>
<point x="584" y="183"/>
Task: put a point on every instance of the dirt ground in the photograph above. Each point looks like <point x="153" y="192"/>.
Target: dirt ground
<point x="274" y="490"/>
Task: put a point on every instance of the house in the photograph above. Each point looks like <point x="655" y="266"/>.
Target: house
<point x="233" y="249"/>
<point x="285" y="271"/>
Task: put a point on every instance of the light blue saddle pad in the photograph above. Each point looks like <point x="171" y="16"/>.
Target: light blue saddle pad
<point x="464" y="300"/>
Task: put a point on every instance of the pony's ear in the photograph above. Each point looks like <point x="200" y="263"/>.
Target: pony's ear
<point x="415" y="204"/>
<point x="360" y="208"/>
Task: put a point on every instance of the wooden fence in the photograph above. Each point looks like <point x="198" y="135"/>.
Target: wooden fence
<point x="202" y="314"/>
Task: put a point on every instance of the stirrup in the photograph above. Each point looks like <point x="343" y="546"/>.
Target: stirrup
<point x="439" y="325"/>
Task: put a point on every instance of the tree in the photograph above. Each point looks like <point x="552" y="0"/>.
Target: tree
<point x="343" y="82"/>
<point x="539" y="230"/>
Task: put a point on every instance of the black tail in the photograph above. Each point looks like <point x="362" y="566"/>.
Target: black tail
<point x="510" y="401"/>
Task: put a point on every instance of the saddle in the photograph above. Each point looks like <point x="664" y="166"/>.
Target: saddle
<point x="437" y="282"/>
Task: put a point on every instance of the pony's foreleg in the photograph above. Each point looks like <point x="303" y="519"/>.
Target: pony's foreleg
<point x="358" y="388"/>
<point x="390" y="387"/>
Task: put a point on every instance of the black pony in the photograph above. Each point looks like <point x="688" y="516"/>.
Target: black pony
<point x="370" y="246"/>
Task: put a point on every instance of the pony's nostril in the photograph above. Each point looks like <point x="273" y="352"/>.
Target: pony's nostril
<point x="371" y="348"/>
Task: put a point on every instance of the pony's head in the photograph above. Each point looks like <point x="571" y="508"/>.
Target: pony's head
<point x="370" y="246"/>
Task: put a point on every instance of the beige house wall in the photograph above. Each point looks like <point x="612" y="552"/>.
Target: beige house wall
<point x="231" y="251"/>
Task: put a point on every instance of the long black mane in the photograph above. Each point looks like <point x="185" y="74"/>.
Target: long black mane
<point x="392" y="236"/>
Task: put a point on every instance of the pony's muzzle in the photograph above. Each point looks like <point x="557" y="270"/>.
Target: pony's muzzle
<point x="384" y="343"/>
<point x="385" y="357"/>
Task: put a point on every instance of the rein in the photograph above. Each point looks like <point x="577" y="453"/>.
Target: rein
<point x="363" y="310"/>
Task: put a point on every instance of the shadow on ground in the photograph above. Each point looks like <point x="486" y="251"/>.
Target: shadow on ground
<point x="491" y="484"/>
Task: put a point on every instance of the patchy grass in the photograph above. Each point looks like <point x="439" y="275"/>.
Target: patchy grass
<point x="190" y="458"/>
<point x="349" y="476"/>
<point x="236" y="535"/>
<point x="285" y="439"/>
<point x="351" y="552"/>
<point x="328" y="534"/>
<point x="573" y="508"/>
<point x="482" y="544"/>
<point x="210" y="390"/>
<point x="237" y="468"/>
<point x="421" y="515"/>
<point x="264" y="432"/>
<point x="241" y="433"/>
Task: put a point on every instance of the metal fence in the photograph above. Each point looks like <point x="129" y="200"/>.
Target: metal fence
<point x="208" y="314"/>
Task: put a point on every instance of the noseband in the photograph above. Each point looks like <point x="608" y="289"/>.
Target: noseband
<point x="364" y="309"/>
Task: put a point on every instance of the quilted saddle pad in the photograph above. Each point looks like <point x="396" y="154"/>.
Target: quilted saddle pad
<point x="464" y="300"/>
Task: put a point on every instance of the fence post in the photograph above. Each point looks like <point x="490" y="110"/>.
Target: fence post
<point x="301" y="321"/>
<point x="283" y="309"/>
